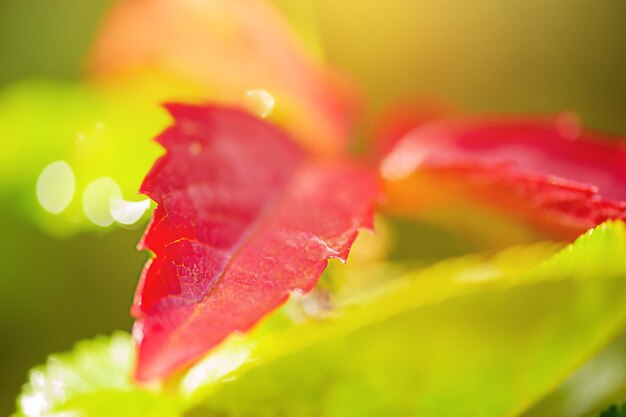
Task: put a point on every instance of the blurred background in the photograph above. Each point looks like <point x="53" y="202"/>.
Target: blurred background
<point x="57" y="287"/>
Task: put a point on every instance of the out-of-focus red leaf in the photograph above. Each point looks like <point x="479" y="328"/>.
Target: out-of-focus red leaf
<point x="547" y="173"/>
<point x="244" y="217"/>
<point x="228" y="47"/>
<point x="396" y="121"/>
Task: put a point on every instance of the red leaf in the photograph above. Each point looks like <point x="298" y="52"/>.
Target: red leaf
<point x="244" y="217"/>
<point x="394" y="122"/>
<point x="545" y="172"/>
<point x="227" y="47"/>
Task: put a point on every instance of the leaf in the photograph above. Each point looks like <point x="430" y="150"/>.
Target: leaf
<point x="477" y="335"/>
<point x="544" y="173"/>
<point x="464" y="338"/>
<point x="614" y="411"/>
<point x="395" y="121"/>
<point x="244" y="217"/>
<point x="93" y="380"/>
<point x="229" y="48"/>
<point x="591" y="388"/>
<point x="97" y="132"/>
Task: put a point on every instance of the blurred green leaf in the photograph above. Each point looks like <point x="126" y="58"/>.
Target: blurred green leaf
<point x="615" y="411"/>
<point x="99" y="131"/>
<point x="463" y="338"/>
<point x="478" y="335"/>
<point x="92" y="380"/>
<point x="600" y="382"/>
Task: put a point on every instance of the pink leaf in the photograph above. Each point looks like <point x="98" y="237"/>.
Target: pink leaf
<point x="244" y="217"/>
<point x="547" y="173"/>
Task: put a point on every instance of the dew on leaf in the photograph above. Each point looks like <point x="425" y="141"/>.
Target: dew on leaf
<point x="127" y="212"/>
<point x="259" y="102"/>
<point x="56" y="186"/>
<point x="314" y="305"/>
<point x="97" y="199"/>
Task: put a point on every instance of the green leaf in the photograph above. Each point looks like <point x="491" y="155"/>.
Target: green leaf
<point x="479" y="335"/>
<point x="615" y="411"/>
<point x="464" y="338"/>
<point x="591" y="388"/>
<point x="92" y="380"/>
<point x="98" y="131"/>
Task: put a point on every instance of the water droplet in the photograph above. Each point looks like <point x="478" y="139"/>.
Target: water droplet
<point x="97" y="199"/>
<point x="56" y="186"/>
<point x="315" y="305"/>
<point x="260" y="102"/>
<point x="128" y="212"/>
